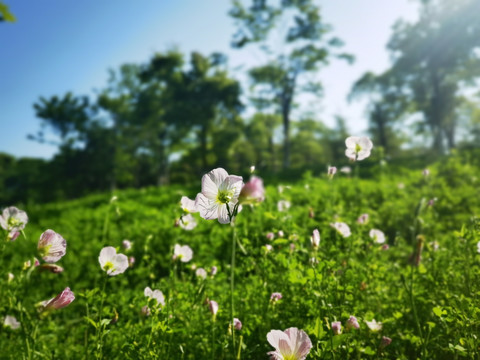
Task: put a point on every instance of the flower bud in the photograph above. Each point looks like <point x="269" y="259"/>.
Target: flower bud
<point x="337" y="327"/>
<point x="60" y="301"/>
<point x="252" y="192"/>
<point x="385" y="342"/>
<point x="352" y="323"/>
<point x="237" y="324"/>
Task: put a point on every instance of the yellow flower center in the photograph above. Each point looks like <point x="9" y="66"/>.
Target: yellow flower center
<point x="108" y="266"/>
<point x="290" y="357"/>
<point x="358" y="148"/>
<point x="224" y="196"/>
<point x="44" y="250"/>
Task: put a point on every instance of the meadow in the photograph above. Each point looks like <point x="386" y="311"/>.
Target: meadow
<point x="407" y="291"/>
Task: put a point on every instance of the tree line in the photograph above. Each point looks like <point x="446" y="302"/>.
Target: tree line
<point x="175" y="116"/>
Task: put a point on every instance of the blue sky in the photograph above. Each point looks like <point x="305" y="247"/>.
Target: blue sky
<point x="64" y="45"/>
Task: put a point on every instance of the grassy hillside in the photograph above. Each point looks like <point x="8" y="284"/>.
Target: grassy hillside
<point x="423" y="289"/>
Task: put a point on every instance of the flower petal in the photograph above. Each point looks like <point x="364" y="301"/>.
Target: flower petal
<point x="223" y="217"/>
<point x="212" y="181"/>
<point x="207" y="208"/>
<point x="351" y="142"/>
<point x="106" y="254"/>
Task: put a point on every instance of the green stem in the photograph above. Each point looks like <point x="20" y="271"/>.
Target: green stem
<point x="232" y="286"/>
<point x="100" y="326"/>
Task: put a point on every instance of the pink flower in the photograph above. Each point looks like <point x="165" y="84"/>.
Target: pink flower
<point x="54" y="268"/>
<point x="385" y="342"/>
<point x="352" y="323"/>
<point x="60" y="301"/>
<point x="219" y="196"/>
<point x="213" y="270"/>
<point x="315" y="239"/>
<point x="291" y="344"/>
<point x="127" y="244"/>
<point x="332" y="170"/>
<point x="51" y="246"/>
<point x="253" y="191"/>
<point x="201" y="273"/>
<point x="237" y="324"/>
<point x="270" y="236"/>
<point x="363" y="219"/>
<point x="337" y="327"/>
<point x="275" y="296"/>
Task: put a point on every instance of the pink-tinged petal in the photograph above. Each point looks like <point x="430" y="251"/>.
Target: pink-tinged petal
<point x="207" y="208"/>
<point x="351" y="142"/>
<point x="365" y="143"/>
<point x="300" y="342"/>
<point x="61" y="300"/>
<point x="212" y="181"/>
<point x="351" y="154"/>
<point x="232" y="182"/>
<point x="188" y="205"/>
<point x="52" y="246"/>
<point x="363" y="154"/>
<point x="223" y="217"/>
<point x="120" y="263"/>
<point x="148" y="292"/>
<point x="275" y="355"/>
<point x="285" y="347"/>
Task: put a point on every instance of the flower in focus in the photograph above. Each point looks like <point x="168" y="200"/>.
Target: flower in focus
<point x="315" y="238"/>
<point x="374" y="325"/>
<point x="291" y="344"/>
<point x="187" y="222"/>
<point x="127" y="244"/>
<point x="111" y="262"/>
<point x="155" y="294"/>
<point x="332" y="170"/>
<point x="11" y="322"/>
<point x="385" y="342"/>
<point x="201" y="273"/>
<point x="188" y="205"/>
<point x="342" y="228"/>
<point x="283" y="205"/>
<point x="237" y="324"/>
<point x="51" y="246"/>
<point x="377" y="236"/>
<point x="60" y="301"/>
<point x="219" y="196"/>
<point x="358" y="148"/>
<point x="253" y="191"/>
<point x="183" y="253"/>
<point x="213" y="307"/>
<point x="275" y="296"/>
<point x="352" y="323"/>
<point x="13" y="219"/>
<point x="363" y="219"/>
<point x="337" y="327"/>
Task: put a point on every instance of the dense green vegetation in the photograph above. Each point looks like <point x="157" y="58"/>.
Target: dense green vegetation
<point x="427" y="302"/>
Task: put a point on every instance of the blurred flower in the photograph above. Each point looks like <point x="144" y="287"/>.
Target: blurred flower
<point x="432" y="202"/>
<point x="187" y="222"/>
<point x="201" y="273"/>
<point x="131" y="261"/>
<point x="346" y="169"/>
<point x="270" y="236"/>
<point x="252" y="169"/>
<point x="237" y="324"/>
<point x="385" y="342"/>
<point x="60" y="301"/>
<point x="315" y="239"/>
<point x="51" y="246"/>
<point x="13" y="219"/>
<point x="111" y="262"/>
<point x="374" y="325"/>
<point x="213" y="307"/>
<point x="342" y="228"/>
<point x="183" y="253"/>
<point x="269" y="248"/>
<point x="283" y="205"/>
<point x="275" y="296"/>
<point x="426" y="172"/>
<point x="337" y="327"/>
<point x="313" y="261"/>
<point x="280" y="233"/>
<point x="11" y="322"/>
<point x="10" y="277"/>
<point x="219" y="191"/>
<point x="253" y="191"/>
<point x="385" y="247"/>
<point x="292" y="246"/>
<point x="435" y="245"/>
<point x="401" y="186"/>
<point x="377" y="236"/>
<point x="363" y="219"/>
<point x="54" y="268"/>
<point x="188" y="205"/>
<point x="291" y="344"/>
<point x="478" y="247"/>
<point x="311" y="214"/>
<point x="155" y="294"/>
<point x="358" y="148"/>
<point x="332" y="170"/>
<point x="127" y="244"/>
<point x="352" y="323"/>
<point x="213" y="270"/>
<point x="13" y="235"/>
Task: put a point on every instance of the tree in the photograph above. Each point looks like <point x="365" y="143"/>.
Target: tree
<point x="289" y="71"/>
<point x="5" y="14"/>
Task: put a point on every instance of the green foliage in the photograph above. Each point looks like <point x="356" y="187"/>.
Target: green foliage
<point x="428" y="310"/>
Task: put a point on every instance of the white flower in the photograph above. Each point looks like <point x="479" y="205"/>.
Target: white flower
<point x="478" y="247"/>
<point x="188" y="222"/>
<point x="13" y="219"/>
<point x="183" y="253"/>
<point x="346" y="169"/>
<point x="188" y="205"/>
<point x="342" y="228"/>
<point x="201" y="273"/>
<point x="358" y="148"/>
<point x="283" y="205"/>
<point x="51" y="246"/>
<point x="219" y="195"/>
<point x="374" y="325"/>
<point x="291" y="344"/>
<point x="10" y="321"/>
<point x="155" y="294"/>
<point x="315" y="238"/>
<point x="377" y="236"/>
<point x="111" y="262"/>
<point x="127" y="244"/>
